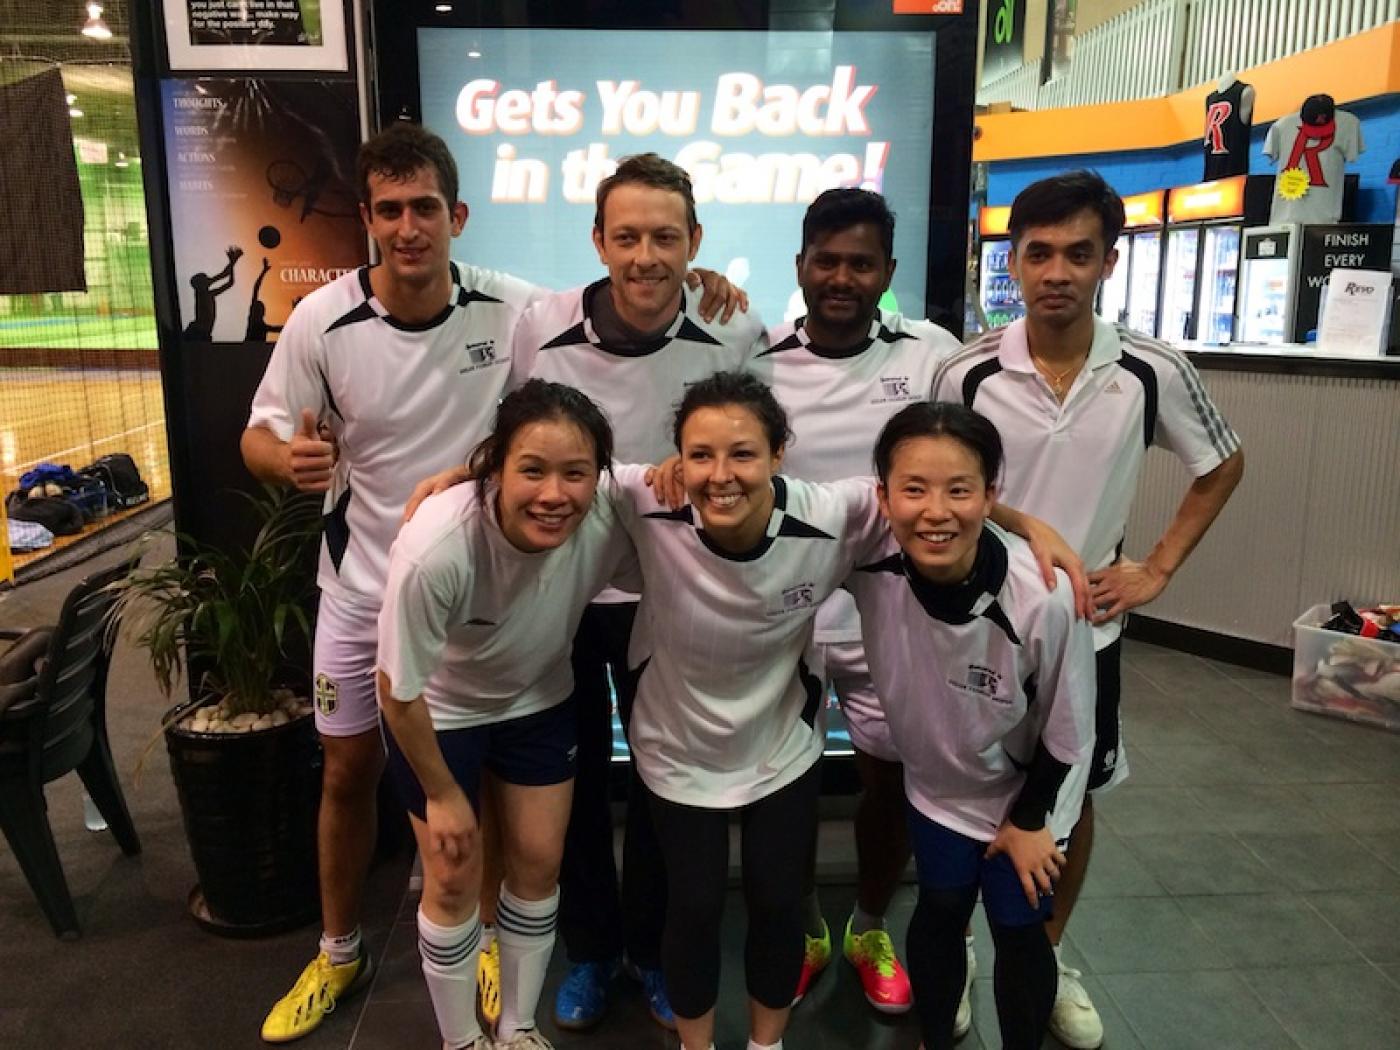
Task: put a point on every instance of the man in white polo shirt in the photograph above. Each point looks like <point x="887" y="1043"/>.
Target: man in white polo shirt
<point x="1078" y="401"/>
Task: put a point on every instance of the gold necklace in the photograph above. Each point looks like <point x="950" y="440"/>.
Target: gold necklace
<point x="1057" y="380"/>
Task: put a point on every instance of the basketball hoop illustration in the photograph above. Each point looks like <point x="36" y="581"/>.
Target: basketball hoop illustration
<point x="288" y="181"/>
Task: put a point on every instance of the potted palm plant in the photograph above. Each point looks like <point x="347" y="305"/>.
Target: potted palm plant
<point x="243" y="746"/>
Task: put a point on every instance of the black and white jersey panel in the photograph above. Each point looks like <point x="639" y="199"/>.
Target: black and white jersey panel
<point x="403" y="401"/>
<point x="729" y="679"/>
<point x="1076" y="464"/>
<point x="973" y="677"/>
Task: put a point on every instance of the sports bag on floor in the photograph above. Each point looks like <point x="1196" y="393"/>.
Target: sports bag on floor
<point x="118" y="472"/>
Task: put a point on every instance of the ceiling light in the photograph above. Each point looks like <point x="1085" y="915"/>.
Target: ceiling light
<point x="474" y="51"/>
<point x="443" y="9"/>
<point x="95" y="27"/>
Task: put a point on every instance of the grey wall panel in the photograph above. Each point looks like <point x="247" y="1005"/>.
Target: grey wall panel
<point x="1316" y="517"/>
<point x="1353" y="539"/>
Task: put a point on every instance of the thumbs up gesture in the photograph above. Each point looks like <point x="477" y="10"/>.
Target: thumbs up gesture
<point x="310" y="458"/>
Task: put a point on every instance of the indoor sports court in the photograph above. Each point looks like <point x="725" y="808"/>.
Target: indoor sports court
<point x="79" y="376"/>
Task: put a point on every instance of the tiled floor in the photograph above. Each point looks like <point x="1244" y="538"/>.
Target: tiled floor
<point x="1244" y="893"/>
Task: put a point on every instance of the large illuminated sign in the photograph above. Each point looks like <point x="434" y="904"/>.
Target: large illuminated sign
<point x="763" y="123"/>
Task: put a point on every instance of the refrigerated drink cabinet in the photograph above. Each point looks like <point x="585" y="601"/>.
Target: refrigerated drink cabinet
<point x="1200" y="280"/>
<point x="1139" y="263"/>
<point x="1268" y="281"/>
<point x="998" y="291"/>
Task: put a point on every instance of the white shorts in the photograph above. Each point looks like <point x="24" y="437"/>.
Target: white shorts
<point x="865" y="718"/>
<point x="347" y="643"/>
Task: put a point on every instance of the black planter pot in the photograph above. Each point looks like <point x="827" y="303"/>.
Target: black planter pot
<point x="249" y="803"/>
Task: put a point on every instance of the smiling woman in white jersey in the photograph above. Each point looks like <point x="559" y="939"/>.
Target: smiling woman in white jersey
<point x="987" y="681"/>
<point x="728" y="686"/>
<point x="486" y="587"/>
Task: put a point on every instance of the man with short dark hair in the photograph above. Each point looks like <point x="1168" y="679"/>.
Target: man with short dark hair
<point x="632" y="341"/>
<point x="842" y="370"/>
<point x="404" y="362"/>
<point x="1078" y="402"/>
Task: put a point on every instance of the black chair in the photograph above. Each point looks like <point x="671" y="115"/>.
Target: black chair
<point x="53" y="720"/>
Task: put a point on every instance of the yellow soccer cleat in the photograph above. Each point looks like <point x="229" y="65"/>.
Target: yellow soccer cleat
<point x="488" y="985"/>
<point x="321" y="985"/>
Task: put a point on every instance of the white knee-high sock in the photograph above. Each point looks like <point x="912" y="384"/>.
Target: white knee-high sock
<point x="449" y="966"/>
<point x="525" y="933"/>
<point x="753" y="1045"/>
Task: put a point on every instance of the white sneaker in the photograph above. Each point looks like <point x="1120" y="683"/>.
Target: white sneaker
<point x="481" y="1042"/>
<point x="529" y="1039"/>
<point x="1074" y="1021"/>
<point x="963" y="1022"/>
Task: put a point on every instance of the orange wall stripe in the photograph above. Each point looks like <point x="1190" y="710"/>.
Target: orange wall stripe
<point x="1357" y="67"/>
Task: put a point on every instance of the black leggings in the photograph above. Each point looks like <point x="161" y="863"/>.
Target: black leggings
<point x="1024" y="977"/>
<point x="776" y="838"/>
<point x="600" y="916"/>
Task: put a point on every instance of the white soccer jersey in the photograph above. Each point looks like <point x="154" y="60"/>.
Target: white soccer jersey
<point x="729" y="681"/>
<point x="837" y="404"/>
<point x="972" y="677"/>
<point x="404" y="401"/>
<point x="638" y="389"/>
<point x="1076" y="464"/>
<point x="481" y="630"/>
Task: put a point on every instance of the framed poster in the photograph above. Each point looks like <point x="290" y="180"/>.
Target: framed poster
<point x="265" y="35"/>
<point x="263" y="202"/>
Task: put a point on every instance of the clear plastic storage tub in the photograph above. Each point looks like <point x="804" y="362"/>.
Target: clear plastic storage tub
<point x="1343" y="675"/>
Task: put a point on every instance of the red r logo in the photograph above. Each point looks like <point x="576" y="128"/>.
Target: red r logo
<point x="1216" y="115"/>
<point x="1312" y="139"/>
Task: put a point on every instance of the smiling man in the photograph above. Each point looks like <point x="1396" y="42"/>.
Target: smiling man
<point x="404" y="362"/>
<point x="632" y="341"/>
<point x="842" y="371"/>
<point x="1078" y="402"/>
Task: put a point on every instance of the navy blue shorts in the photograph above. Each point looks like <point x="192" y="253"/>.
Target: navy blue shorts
<point x="532" y="751"/>
<point x="947" y="860"/>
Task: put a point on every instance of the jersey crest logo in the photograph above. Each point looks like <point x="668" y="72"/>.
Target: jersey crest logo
<point x="803" y="596"/>
<point x="1113" y="388"/>
<point x="481" y="355"/>
<point x="984" y="681"/>
<point x="327" y="694"/>
<point x="893" y="388"/>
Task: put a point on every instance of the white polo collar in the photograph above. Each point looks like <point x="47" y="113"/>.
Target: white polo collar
<point x="1015" y="350"/>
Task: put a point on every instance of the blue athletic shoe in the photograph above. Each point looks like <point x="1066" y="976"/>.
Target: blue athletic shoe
<point x="582" y="998"/>
<point x="654" y="988"/>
